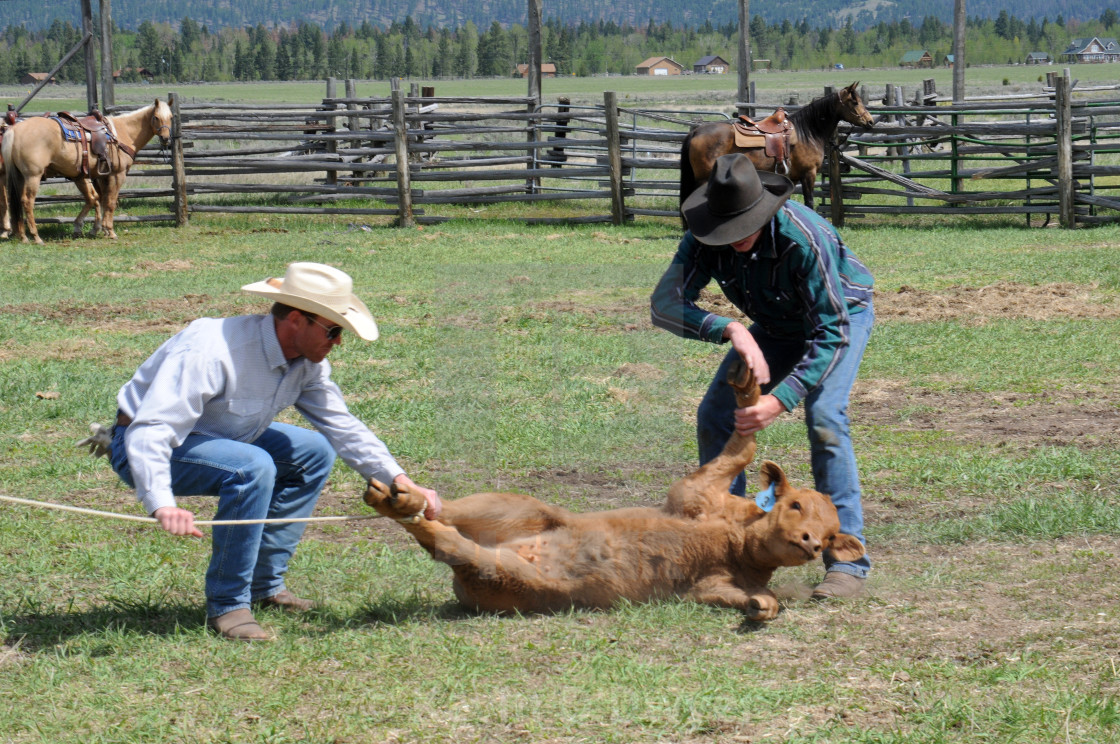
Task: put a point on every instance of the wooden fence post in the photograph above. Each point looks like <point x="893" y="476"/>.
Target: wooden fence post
<point x="178" y="169"/>
<point x="1064" y="114"/>
<point x="353" y="122"/>
<point x="835" y="186"/>
<point x="332" y="144"/>
<point x="404" y="177"/>
<point x="108" y="97"/>
<point x="91" y="72"/>
<point x="533" y="75"/>
<point x="903" y="150"/>
<point x="614" y="157"/>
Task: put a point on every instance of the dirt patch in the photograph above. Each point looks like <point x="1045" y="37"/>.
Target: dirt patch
<point x="1055" y="418"/>
<point x="631" y="314"/>
<point x="639" y="371"/>
<point x="1001" y="300"/>
<point x="168" y="315"/>
<point x="983" y="604"/>
<point x="973" y="305"/>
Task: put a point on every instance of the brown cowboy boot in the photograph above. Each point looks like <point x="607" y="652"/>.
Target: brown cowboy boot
<point x="238" y="625"/>
<point x="285" y="600"/>
<point x="839" y="585"/>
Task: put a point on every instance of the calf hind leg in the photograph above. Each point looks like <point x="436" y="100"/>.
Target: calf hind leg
<point x="705" y="491"/>
<point x="488" y="578"/>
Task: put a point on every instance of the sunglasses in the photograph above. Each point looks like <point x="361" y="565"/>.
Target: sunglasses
<point x="333" y="332"/>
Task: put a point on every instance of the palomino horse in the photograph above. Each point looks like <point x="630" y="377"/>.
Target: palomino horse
<point x="37" y="148"/>
<point x="813" y="127"/>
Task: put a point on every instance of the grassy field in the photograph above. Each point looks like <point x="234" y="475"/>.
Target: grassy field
<point x="687" y="91"/>
<point x="517" y="358"/>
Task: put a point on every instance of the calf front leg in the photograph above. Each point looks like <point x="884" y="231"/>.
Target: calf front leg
<point x="757" y="604"/>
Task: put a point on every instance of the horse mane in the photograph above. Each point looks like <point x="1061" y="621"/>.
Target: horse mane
<point x="817" y="120"/>
<point x="148" y="110"/>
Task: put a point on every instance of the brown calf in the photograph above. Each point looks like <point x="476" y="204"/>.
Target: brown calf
<point x="512" y="553"/>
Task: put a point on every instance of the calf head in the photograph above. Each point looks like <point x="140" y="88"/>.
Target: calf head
<point x="803" y="524"/>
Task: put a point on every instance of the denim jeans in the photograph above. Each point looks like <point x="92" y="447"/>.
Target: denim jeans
<point x="826" y="418"/>
<point x="279" y="475"/>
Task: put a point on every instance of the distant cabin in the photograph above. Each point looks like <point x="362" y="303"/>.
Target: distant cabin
<point x="917" y="58"/>
<point x="712" y="65"/>
<point x="1038" y="58"/>
<point x="660" y="66"/>
<point x="548" y="69"/>
<point x="34" y="78"/>
<point x="1093" y="49"/>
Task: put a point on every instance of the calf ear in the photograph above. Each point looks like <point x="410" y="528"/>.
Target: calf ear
<point x="846" y="548"/>
<point x="771" y="472"/>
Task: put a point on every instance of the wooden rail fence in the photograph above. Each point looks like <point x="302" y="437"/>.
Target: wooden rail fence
<point x="1052" y="154"/>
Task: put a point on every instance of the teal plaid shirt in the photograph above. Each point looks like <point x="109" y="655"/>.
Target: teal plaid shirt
<point x="800" y="281"/>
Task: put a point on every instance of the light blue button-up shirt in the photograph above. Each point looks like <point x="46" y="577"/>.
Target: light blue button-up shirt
<point x="228" y="378"/>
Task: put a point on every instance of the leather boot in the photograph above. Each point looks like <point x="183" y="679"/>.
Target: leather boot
<point x="238" y="625"/>
<point x="285" y="600"/>
<point x="838" y="585"/>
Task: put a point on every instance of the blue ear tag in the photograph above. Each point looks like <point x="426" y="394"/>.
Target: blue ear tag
<point x="766" y="499"/>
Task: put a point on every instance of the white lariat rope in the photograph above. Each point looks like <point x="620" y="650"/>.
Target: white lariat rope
<point x="99" y="443"/>
<point x="198" y="523"/>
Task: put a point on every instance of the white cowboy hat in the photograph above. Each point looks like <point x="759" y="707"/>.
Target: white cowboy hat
<point x="323" y="290"/>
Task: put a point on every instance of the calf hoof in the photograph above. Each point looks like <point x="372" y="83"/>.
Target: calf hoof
<point x="762" y="608"/>
<point x="740" y="377"/>
<point x="395" y="501"/>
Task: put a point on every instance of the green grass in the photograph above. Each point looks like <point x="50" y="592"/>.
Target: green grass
<point x="633" y="90"/>
<point x="521" y="358"/>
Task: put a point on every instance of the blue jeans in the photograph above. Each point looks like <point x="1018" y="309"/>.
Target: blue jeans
<point x="279" y="475"/>
<point x="826" y="417"/>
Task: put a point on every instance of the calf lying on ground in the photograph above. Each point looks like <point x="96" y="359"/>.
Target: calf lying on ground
<point x="513" y="553"/>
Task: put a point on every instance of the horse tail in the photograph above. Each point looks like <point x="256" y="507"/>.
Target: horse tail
<point x="688" y="177"/>
<point x="14" y="185"/>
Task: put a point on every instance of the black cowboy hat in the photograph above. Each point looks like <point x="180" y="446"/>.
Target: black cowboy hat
<point x="737" y="201"/>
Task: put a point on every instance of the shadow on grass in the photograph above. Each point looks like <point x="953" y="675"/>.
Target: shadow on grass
<point x="40" y="629"/>
<point x="36" y="629"/>
<point x="43" y="629"/>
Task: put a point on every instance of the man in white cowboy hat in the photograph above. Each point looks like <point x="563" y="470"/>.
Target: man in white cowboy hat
<point x="809" y="302"/>
<point x="198" y="417"/>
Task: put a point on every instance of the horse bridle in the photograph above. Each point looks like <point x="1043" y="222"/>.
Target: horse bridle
<point x="158" y="128"/>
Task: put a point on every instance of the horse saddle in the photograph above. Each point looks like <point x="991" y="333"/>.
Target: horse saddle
<point x="95" y="137"/>
<point x="772" y="133"/>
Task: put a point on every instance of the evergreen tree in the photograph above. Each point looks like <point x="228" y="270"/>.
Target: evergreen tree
<point x="189" y="33"/>
<point x="444" y="63"/>
<point x="265" y="60"/>
<point x="284" y="69"/>
<point x="467" y="63"/>
<point x="148" y="45"/>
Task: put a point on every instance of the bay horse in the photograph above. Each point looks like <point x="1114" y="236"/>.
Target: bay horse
<point x="813" y="127"/>
<point x="37" y="148"/>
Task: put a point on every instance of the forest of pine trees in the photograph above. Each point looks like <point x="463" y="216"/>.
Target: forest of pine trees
<point x="305" y="51"/>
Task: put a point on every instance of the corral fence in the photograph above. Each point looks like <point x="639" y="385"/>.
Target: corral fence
<point x="1055" y="154"/>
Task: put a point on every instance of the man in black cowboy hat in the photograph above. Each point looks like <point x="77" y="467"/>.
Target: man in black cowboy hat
<point x="809" y="302"/>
